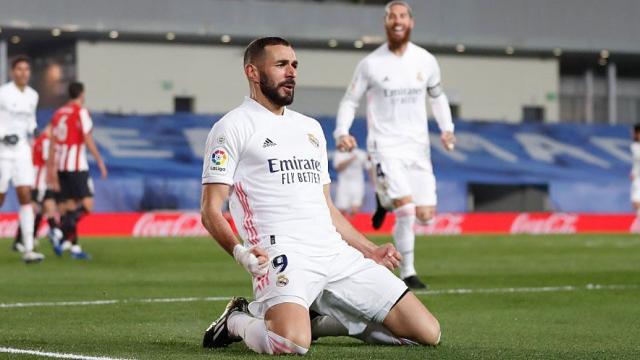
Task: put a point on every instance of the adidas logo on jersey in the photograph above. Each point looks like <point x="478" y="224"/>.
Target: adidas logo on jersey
<point x="268" y="142"/>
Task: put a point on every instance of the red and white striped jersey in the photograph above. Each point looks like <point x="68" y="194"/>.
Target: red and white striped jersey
<point x="40" y="150"/>
<point x="39" y="153"/>
<point x="69" y="125"/>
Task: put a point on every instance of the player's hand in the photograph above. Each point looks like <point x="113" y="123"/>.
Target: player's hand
<point x="448" y="140"/>
<point x="52" y="180"/>
<point x="103" y="170"/>
<point x="387" y="256"/>
<point x="255" y="260"/>
<point x="346" y="143"/>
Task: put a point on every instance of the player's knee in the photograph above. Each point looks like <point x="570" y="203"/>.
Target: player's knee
<point x="425" y="215"/>
<point x="402" y="201"/>
<point x="430" y="335"/>
<point x="300" y="338"/>
<point x="290" y="342"/>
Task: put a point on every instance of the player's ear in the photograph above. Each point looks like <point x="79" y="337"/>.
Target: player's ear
<point x="251" y="72"/>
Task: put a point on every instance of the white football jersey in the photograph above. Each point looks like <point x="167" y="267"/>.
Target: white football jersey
<point x="277" y="166"/>
<point x="635" y="154"/>
<point x="396" y="88"/>
<point x="354" y="172"/>
<point x="17" y="117"/>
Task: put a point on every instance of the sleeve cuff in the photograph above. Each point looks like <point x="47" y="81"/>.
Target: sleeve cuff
<point x="216" y="180"/>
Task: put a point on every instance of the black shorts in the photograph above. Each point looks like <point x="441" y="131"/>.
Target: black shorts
<point x="74" y="185"/>
<point x="40" y="196"/>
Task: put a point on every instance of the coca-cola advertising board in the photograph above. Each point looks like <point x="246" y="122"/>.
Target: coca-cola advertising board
<point x="181" y="224"/>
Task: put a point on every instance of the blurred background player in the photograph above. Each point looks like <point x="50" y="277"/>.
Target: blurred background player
<point x="18" y="104"/>
<point x="350" y="189"/>
<point x="43" y="199"/>
<point x="68" y="168"/>
<point x="396" y="77"/>
<point x="635" y="170"/>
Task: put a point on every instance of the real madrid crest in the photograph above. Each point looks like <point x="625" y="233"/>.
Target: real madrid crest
<point x="283" y="280"/>
<point x="420" y="77"/>
<point x="313" y="140"/>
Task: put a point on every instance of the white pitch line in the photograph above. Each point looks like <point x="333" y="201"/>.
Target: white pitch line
<point x="111" y="302"/>
<point x="527" y="289"/>
<point x="541" y="289"/>
<point x="54" y="355"/>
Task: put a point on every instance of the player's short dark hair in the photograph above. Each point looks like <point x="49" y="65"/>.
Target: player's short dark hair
<point x="19" y="59"/>
<point x="255" y="50"/>
<point x="76" y="89"/>
<point x="636" y="128"/>
<point x="387" y="8"/>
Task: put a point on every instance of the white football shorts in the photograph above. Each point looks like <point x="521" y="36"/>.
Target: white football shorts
<point x="345" y="285"/>
<point x="635" y="191"/>
<point x="18" y="171"/>
<point x="349" y="194"/>
<point x="397" y="178"/>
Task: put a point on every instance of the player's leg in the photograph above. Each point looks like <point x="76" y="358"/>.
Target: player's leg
<point x="283" y="331"/>
<point x="410" y="319"/>
<point x="383" y="202"/>
<point x="635" y="196"/>
<point x="67" y="219"/>
<point x="356" y="196"/>
<point x="5" y="177"/>
<point x="83" y="193"/>
<point x="23" y="177"/>
<point x="278" y="321"/>
<point x="342" y="197"/>
<point x="50" y="213"/>
<point x="366" y="301"/>
<point x="423" y="188"/>
<point x="392" y="180"/>
<point x="26" y="219"/>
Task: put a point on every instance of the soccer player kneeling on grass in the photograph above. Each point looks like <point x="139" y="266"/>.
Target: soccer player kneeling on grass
<point x="301" y="252"/>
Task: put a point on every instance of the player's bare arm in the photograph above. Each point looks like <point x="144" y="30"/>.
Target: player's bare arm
<point x="52" y="172"/>
<point x="385" y="255"/>
<point x="254" y="260"/>
<point x="93" y="149"/>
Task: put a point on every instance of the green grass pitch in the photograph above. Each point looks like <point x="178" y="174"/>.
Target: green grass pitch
<point x="537" y="319"/>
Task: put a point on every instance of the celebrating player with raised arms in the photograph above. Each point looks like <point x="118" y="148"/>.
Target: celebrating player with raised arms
<point x="300" y="251"/>
<point x="397" y="77"/>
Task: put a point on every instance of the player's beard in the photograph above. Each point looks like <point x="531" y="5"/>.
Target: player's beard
<point x="270" y="90"/>
<point x="393" y="43"/>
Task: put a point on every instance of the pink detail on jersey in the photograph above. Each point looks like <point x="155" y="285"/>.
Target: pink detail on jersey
<point x="248" y="224"/>
<point x="262" y="281"/>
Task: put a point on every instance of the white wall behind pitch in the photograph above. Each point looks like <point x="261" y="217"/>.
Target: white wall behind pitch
<point x="144" y="78"/>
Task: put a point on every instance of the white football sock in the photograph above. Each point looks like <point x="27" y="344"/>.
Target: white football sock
<point x="378" y="334"/>
<point x="327" y="326"/>
<point x="76" y="249"/>
<point x="26" y="226"/>
<point x="257" y="338"/>
<point x="405" y="237"/>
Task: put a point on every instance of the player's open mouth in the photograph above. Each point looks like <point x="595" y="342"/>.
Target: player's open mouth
<point x="398" y="29"/>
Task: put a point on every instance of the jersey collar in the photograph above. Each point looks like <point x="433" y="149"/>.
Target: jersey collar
<point x="257" y="106"/>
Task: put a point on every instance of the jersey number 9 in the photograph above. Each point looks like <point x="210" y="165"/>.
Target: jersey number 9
<point x="280" y="263"/>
